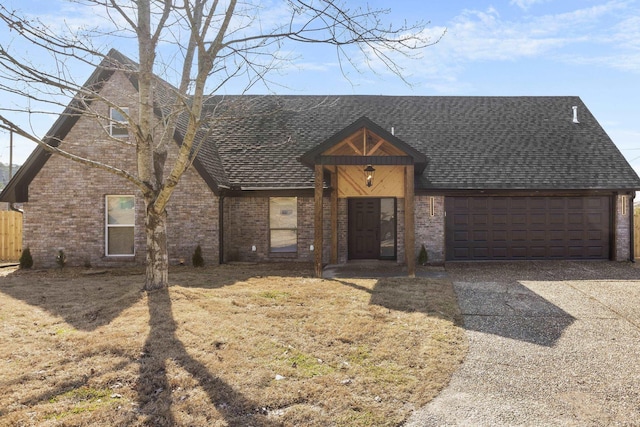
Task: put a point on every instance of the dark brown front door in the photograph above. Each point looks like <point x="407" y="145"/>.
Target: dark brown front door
<point x="364" y="228"/>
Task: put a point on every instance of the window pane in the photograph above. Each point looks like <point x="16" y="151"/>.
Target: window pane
<point x="118" y="123"/>
<point x="120" y="241"/>
<point x="283" y="212"/>
<point x="117" y="116"/>
<point x="284" y="240"/>
<point x="121" y="210"/>
<point x="387" y="228"/>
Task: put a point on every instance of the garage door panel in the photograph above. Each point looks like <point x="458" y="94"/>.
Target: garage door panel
<point x="575" y="218"/>
<point x="595" y="252"/>
<point x="538" y="218"/>
<point x="480" y="220"/>
<point x="479" y="203"/>
<point x="461" y="236"/>
<point x="500" y="235"/>
<point x="527" y="227"/>
<point x="557" y="218"/>
<point x="500" y="252"/>
<point x="596" y="203"/>
<point x="575" y="203"/>
<point x="538" y="235"/>
<point x="499" y="219"/>
<point x="499" y="203"/>
<point x="481" y="236"/>
<point x="519" y="252"/>
<point x="594" y="235"/>
<point x="461" y="219"/>
<point x="538" y="252"/>
<point x="481" y="253"/>
<point x="519" y="219"/>
<point x="538" y="203"/>
<point x="519" y="235"/>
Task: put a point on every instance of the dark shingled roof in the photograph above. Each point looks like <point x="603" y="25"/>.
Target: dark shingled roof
<point x="470" y="142"/>
<point x="458" y="143"/>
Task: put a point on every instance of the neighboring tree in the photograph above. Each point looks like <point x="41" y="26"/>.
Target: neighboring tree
<point x="210" y="43"/>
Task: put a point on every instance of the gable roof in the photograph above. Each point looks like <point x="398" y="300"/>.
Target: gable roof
<point x="471" y="143"/>
<point x="208" y="166"/>
<point x="311" y="157"/>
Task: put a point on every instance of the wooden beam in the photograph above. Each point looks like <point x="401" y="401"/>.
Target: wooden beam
<point x="364" y="142"/>
<point x="355" y="149"/>
<point x="375" y="148"/>
<point x="409" y="222"/>
<point x="334" y="215"/>
<point x="318" y="225"/>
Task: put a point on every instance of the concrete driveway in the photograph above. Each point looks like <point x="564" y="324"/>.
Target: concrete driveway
<point x="550" y="344"/>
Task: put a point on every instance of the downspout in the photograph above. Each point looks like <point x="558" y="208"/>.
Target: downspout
<point x="221" y="229"/>
<point x="11" y="206"/>
<point x="632" y="239"/>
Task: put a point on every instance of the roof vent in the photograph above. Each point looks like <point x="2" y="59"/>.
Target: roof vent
<point x="393" y="131"/>
<point x="575" y="114"/>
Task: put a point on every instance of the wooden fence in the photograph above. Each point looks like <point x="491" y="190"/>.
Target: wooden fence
<point x="10" y="235"/>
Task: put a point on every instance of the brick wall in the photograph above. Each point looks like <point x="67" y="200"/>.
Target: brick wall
<point x="246" y="222"/>
<point x="430" y="229"/>
<point x="623" y="238"/>
<point x="66" y="208"/>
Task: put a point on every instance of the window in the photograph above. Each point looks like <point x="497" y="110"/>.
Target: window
<point x="118" y="124"/>
<point x="120" y="222"/>
<point x="283" y="224"/>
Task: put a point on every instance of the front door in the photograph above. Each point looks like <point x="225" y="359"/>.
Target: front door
<point x="372" y="228"/>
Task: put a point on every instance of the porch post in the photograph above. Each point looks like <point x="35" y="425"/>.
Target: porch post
<point x="409" y="223"/>
<point x="318" y="229"/>
<point x="334" y="215"/>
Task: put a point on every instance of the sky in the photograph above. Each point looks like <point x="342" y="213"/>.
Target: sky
<point x="586" y="48"/>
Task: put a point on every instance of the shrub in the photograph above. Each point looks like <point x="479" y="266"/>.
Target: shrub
<point x="61" y="258"/>
<point x="423" y="257"/>
<point x="26" y="260"/>
<point x="197" y="259"/>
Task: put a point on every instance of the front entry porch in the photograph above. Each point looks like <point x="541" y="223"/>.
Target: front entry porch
<point x="347" y="162"/>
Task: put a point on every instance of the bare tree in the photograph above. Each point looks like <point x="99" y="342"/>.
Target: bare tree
<point x="210" y="42"/>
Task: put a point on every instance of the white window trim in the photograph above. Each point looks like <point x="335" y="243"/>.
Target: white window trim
<point x="107" y="226"/>
<point x="113" y="122"/>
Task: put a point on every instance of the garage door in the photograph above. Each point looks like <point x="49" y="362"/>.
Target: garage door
<point x="485" y="228"/>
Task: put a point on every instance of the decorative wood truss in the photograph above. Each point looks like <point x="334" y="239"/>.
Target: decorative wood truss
<point x="343" y="157"/>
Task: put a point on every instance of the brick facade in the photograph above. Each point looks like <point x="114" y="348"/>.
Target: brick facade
<point x="430" y="228"/>
<point x="246" y="224"/>
<point x="66" y="208"/>
<point x="624" y="209"/>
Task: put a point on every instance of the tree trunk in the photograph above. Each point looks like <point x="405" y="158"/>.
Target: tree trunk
<point x="157" y="276"/>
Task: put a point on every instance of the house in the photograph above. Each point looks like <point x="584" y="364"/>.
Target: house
<point x="329" y="179"/>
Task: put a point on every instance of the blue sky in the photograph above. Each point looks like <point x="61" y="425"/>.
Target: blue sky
<point x="586" y="48"/>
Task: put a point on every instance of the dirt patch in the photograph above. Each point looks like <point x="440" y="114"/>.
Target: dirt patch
<point x="262" y="345"/>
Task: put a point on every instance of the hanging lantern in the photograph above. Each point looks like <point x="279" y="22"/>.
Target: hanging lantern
<point x="369" y="173"/>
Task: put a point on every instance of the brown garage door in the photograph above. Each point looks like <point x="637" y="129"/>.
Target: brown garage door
<point x="486" y="228"/>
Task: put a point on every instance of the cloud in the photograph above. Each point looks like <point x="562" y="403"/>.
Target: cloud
<point x="606" y="35"/>
<point x="526" y="4"/>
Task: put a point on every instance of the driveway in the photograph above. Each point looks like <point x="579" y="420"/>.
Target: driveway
<point x="550" y="344"/>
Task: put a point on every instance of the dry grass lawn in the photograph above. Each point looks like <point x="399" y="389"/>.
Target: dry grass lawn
<point x="242" y="345"/>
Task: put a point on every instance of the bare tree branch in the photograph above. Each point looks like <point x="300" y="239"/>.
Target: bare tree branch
<point x="207" y="44"/>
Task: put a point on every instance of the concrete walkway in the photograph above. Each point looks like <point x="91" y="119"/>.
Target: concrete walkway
<point x="551" y="344"/>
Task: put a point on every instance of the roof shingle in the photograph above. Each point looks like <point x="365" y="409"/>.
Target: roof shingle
<point x="470" y="142"/>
